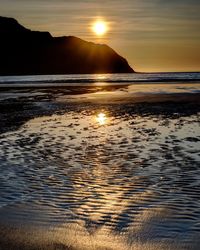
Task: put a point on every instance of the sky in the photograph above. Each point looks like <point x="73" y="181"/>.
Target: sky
<point x="153" y="35"/>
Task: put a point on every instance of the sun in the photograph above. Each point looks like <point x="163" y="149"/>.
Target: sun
<point x="99" y="28"/>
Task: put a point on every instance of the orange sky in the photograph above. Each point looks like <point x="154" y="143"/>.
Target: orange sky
<point x="154" y="35"/>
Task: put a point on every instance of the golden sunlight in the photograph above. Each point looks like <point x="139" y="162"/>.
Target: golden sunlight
<point x="99" y="28"/>
<point x="101" y="118"/>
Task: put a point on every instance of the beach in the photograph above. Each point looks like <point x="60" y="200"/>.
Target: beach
<point x="100" y="167"/>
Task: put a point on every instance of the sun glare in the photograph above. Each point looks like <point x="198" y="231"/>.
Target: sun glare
<point x="99" y="28"/>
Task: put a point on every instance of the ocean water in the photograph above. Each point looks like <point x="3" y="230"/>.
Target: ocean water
<point x="135" y="84"/>
<point x="100" y="175"/>
<point x="99" y="79"/>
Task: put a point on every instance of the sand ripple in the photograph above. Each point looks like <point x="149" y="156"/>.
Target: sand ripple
<point x="129" y="178"/>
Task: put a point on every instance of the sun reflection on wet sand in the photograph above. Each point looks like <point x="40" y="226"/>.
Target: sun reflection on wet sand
<point x="101" y="118"/>
<point x="87" y="179"/>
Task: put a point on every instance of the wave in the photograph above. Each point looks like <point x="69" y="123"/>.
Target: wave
<point x="101" y="79"/>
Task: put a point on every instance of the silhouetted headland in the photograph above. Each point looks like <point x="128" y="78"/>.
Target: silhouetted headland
<point x="26" y="52"/>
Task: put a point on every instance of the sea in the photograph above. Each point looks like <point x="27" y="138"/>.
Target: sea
<point x="90" y="79"/>
<point x="88" y="170"/>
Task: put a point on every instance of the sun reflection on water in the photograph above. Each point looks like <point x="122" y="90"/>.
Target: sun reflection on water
<point x="101" y="118"/>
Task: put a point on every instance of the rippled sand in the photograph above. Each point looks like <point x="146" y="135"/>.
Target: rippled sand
<point x="100" y="176"/>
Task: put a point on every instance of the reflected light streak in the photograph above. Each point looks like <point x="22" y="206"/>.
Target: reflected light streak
<point x="100" y="77"/>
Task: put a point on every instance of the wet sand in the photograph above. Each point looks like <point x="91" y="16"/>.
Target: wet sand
<point x="99" y="168"/>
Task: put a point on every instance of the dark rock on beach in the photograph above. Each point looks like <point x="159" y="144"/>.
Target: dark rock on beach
<point x="26" y="52"/>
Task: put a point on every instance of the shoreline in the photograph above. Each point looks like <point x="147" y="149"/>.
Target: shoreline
<point x="19" y="106"/>
<point x="72" y="84"/>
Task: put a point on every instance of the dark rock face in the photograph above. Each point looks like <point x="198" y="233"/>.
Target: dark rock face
<point x="26" y="52"/>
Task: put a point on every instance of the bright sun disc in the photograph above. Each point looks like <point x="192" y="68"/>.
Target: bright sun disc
<point x="100" y="28"/>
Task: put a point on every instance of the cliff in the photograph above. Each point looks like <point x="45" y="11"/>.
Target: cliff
<point x="26" y="52"/>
